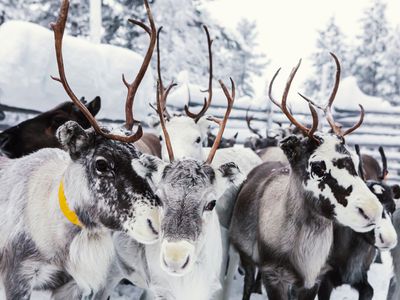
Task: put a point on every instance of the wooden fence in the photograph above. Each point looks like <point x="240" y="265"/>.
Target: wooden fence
<point x="380" y="128"/>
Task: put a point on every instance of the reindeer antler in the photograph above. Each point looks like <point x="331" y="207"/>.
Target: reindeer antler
<point x="248" y="121"/>
<point x="307" y="131"/>
<point x="133" y="87"/>
<point x="207" y="101"/>
<point x="328" y="108"/>
<point x="162" y="94"/>
<point x="230" y="97"/>
<point x="360" y="165"/>
<point x="58" y="29"/>
<point x="384" y="164"/>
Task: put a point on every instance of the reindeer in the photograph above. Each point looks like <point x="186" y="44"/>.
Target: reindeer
<point x="225" y="142"/>
<point x="283" y="218"/>
<point x="39" y="132"/>
<point x="59" y="209"/>
<point x="186" y="263"/>
<point x="394" y="288"/>
<point x="353" y="252"/>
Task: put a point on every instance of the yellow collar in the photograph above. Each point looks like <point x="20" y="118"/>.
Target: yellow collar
<point x="68" y="213"/>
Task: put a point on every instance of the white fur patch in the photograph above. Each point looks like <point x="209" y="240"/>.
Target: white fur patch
<point x="378" y="189"/>
<point x="90" y="257"/>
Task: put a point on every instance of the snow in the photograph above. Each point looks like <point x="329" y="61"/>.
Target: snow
<point x="349" y="96"/>
<point x="92" y="70"/>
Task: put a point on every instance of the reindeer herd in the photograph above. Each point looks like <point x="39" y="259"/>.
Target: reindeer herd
<point x="83" y="206"/>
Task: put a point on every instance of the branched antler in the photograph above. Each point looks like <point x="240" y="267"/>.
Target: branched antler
<point x="248" y="121"/>
<point x="162" y="95"/>
<point x="230" y="97"/>
<point x="133" y="87"/>
<point x="207" y="101"/>
<point x="283" y="105"/>
<point x="58" y="29"/>
<point x="328" y="108"/>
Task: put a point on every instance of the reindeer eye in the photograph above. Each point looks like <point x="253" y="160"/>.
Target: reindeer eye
<point x="210" y="205"/>
<point x="318" y="168"/>
<point x="101" y="165"/>
<point x="198" y="140"/>
<point x="160" y="138"/>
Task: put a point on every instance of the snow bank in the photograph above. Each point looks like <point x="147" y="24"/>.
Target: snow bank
<point x="349" y="96"/>
<point x="180" y="95"/>
<point x="28" y="59"/>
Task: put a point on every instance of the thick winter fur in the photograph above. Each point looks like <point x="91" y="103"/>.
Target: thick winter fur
<point x="283" y="219"/>
<point x="39" y="132"/>
<point x="39" y="247"/>
<point x="394" y="290"/>
<point x="353" y="253"/>
<point x="186" y="263"/>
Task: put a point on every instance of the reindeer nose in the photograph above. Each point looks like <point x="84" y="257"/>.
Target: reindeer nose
<point x="371" y="212"/>
<point x="176" y="256"/>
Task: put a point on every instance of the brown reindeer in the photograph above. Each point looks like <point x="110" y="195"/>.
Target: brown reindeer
<point x="39" y="132"/>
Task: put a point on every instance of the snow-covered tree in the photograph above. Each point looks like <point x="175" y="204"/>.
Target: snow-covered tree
<point x="45" y="12"/>
<point x="390" y="88"/>
<point x="330" y="39"/>
<point x="371" y="50"/>
<point x="183" y="41"/>
<point x="246" y="60"/>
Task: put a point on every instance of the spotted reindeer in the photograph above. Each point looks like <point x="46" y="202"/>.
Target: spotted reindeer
<point x="283" y="218"/>
<point x="353" y="252"/>
<point x="59" y="209"/>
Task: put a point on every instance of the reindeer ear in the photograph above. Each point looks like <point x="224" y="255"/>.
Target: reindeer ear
<point x="74" y="139"/>
<point x="228" y="175"/>
<point x="94" y="105"/>
<point x="149" y="167"/>
<point x="291" y="146"/>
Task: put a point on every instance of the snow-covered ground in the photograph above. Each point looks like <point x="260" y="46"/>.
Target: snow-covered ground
<point x="92" y="70"/>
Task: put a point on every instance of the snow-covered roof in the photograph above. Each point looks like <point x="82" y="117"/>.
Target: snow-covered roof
<point x="27" y="59"/>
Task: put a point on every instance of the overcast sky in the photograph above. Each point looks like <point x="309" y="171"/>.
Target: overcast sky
<point x="288" y="28"/>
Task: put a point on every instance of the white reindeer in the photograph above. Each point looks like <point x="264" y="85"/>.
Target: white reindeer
<point x="59" y="210"/>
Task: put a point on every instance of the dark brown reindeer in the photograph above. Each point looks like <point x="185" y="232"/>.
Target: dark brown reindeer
<point x="39" y="132"/>
<point x="283" y="218"/>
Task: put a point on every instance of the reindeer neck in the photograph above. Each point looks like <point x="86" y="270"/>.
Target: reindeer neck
<point x="303" y="203"/>
<point x="313" y="232"/>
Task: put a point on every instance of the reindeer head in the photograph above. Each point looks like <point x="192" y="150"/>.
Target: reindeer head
<point x="115" y="195"/>
<point x="188" y="190"/>
<point x="384" y="235"/>
<point x="187" y="137"/>
<point x="326" y="168"/>
<point x="39" y="132"/>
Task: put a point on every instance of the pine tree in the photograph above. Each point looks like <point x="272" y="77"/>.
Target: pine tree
<point x="390" y="88"/>
<point x="246" y="60"/>
<point x="371" y="50"/>
<point x="330" y="39"/>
